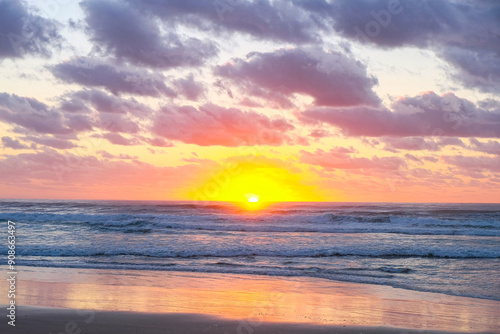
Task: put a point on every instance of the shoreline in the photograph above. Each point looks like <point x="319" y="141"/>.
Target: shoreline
<point x="236" y="298"/>
<point x="277" y="276"/>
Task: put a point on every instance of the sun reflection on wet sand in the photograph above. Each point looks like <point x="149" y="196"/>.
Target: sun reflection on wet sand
<point x="256" y="298"/>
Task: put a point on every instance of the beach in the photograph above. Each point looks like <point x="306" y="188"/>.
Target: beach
<point x="173" y="267"/>
<point x="127" y="301"/>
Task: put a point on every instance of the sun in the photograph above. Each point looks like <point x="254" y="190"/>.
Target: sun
<point x="252" y="198"/>
<point x="255" y="185"/>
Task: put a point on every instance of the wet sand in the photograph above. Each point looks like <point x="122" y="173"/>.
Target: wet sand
<point x="124" y="301"/>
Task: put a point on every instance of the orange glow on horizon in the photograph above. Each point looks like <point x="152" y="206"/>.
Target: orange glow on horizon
<point x="253" y="184"/>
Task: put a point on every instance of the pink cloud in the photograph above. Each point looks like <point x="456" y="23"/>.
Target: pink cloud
<point x="54" y="175"/>
<point x="424" y="115"/>
<point x="214" y="125"/>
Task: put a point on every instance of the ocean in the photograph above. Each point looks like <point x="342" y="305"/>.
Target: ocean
<point x="446" y="248"/>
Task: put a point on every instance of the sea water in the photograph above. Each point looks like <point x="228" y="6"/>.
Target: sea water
<point x="446" y="248"/>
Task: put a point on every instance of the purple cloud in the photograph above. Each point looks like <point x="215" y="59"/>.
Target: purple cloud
<point x="331" y="78"/>
<point x="136" y="37"/>
<point x="32" y="114"/>
<point x="278" y="20"/>
<point x="98" y="73"/>
<point x="23" y="33"/>
<point x="424" y="115"/>
<point x="15" y="144"/>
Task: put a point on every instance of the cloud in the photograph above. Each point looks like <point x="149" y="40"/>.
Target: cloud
<point x="116" y="123"/>
<point x="158" y="142"/>
<point x="137" y="38"/>
<point x="430" y="159"/>
<point x="411" y="157"/>
<point x="101" y="73"/>
<point x="48" y="141"/>
<point x="478" y="67"/>
<point x="394" y="144"/>
<point x="392" y="23"/>
<point x="465" y="33"/>
<point x="490" y="147"/>
<point x="278" y="20"/>
<point x="319" y="133"/>
<point x="214" y="125"/>
<point x="103" y="103"/>
<point x="189" y="87"/>
<point x="331" y="78"/>
<point x="340" y="158"/>
<point x="108" y="112"/>
<point x="49" y="173"/>
<point x="8" y="142"/>
<point x="117" y="139"/>
<point x="32" y="115"/>
<point x="121" y="156"/>
<point x="475" y="164"/>
<point x="424" y="115"/>
<point x="23" y="33"/>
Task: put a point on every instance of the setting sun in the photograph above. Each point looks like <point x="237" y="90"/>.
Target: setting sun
<point x="253" y="199"/>
<point x="255" y="181"/>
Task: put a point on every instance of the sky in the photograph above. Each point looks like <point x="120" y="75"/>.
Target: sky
<point x="226" y="100"/>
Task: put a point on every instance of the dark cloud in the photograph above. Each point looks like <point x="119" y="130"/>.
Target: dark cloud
<point x="100" y="73"/>
<point x="394" y="144"/>
<point x="118" y="139"/>
<point x="411" y="157"/>
<point x="465" y="33"/>
<point x="104" y="103"/>
<point x="214" y="125"/>
<point x="116" y="123"/>
<point x="278" y="20"/>
<point x="189" y="87"/>
<point x="478" y="68"/>
<point x="109" y="113"/>
<point x="430" y="159"/>
<point x="32" y="114"/>
<point x="15" y="144"/>
<point x="424" y="115"/>
<point x="137" y="37"/>
<point x="490" y="147"/>
<point x="331" y="78"/>
<point x="474" y="164"/>
<point x="48" y="141"/>
<point x="392" y="23"/>
<point x="23" y="33"/>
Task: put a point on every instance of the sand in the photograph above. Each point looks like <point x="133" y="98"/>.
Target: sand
<point x="124" y="301"/>
<point x="51" y="320"/>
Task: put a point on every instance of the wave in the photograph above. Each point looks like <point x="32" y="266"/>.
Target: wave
<point x="231" y="252"/>
<point x="324" y="223"/>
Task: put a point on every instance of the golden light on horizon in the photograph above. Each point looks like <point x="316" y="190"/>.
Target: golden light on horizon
<point x="255" y="183"/>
